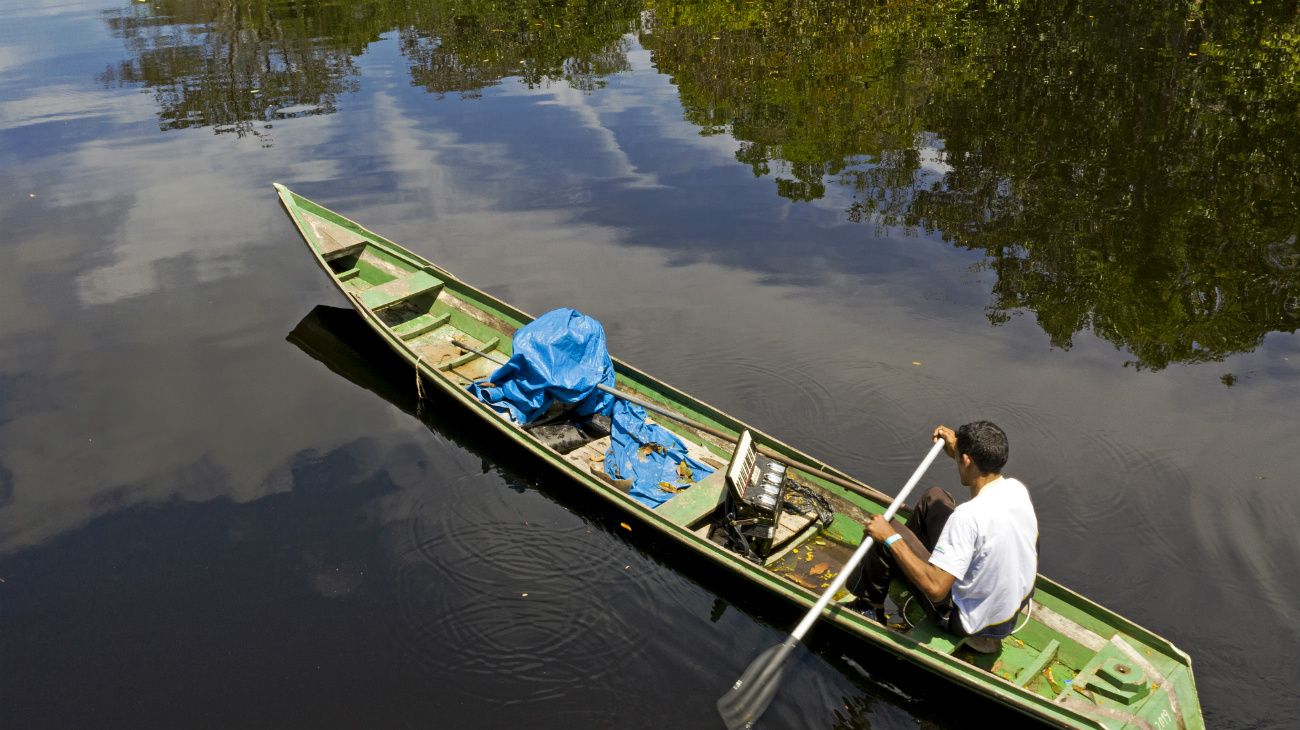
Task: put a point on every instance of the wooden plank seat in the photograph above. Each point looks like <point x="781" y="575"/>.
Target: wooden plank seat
<point x="335" y="241"/>
<point x="412" y="328"/>
<point x="1040" y="662"/>
<point x="927" y="631"/>
<point x="697" y="502"/>
<point x="400" y="289"/>
<point x="341" y="252"/>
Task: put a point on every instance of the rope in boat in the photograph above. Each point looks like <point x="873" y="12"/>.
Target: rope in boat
<point x="419" y="386"/>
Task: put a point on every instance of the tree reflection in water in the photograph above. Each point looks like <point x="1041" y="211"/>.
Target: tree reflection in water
<point x="1128" y="169"/>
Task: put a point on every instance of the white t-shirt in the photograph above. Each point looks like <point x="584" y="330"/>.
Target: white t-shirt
<point x="989" y="545"/>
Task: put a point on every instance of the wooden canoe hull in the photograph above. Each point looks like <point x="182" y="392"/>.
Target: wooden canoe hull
<point x="1074" y="664"/>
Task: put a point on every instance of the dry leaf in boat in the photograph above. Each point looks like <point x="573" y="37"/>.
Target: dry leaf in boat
<point x="684" y="472"/>
<point x="810" y="557"/>
<point x="644" y="451"/>
<point x="665" y="486"/>
<point x="598" y="457"/>
<point x="819" y="568"/>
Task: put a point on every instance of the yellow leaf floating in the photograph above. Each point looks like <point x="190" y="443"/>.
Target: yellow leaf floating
<point x="819" y="568"/>
<point x="625" y="526"/>
<point x="810" y="557"/>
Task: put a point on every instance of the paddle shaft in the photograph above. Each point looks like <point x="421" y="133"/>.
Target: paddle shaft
<point x="742" y="705"/>
<point x="858" y="554"/>
<point x="848" y="484"/>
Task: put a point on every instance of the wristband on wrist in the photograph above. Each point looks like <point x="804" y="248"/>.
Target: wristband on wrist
<point x="889" y="541"/>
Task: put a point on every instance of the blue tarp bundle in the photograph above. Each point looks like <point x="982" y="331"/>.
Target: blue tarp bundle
<point x="561" y="357"/>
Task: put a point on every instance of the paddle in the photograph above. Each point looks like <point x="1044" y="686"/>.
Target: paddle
<point x="742" y="705"/>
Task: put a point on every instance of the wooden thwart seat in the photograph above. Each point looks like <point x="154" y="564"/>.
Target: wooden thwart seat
<point x="1039" y="663"/>
<point x="335" y="241"/>
<point x="413" y="328"/>
<point x="699" y="501"/>
<point x="397" y="290"/>
<point x="928" y="631"/>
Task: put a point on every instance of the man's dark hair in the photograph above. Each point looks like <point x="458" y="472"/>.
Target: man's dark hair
<point x="985" y="443"/>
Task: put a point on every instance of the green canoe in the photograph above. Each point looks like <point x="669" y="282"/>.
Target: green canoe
<point x="1072" y="663"/>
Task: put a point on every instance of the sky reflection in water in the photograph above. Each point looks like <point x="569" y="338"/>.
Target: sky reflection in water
<point x="779" y="218"/>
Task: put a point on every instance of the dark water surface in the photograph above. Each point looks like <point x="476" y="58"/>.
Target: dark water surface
<point x="841" y="223"/>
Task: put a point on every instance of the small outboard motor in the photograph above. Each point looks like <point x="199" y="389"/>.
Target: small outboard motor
<point x="756" y="493"/>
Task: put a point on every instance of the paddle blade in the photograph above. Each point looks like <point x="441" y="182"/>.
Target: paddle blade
<point x="742" y="705"/>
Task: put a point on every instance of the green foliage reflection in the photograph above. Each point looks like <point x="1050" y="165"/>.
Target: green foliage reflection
<point x="1128" y="168"/>
<point x="466" y="46"/>
<point x="237" y="65"/>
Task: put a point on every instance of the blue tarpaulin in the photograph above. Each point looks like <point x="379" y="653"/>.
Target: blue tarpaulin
<point x="561" y="357"/>
<point x="649" y="455"/>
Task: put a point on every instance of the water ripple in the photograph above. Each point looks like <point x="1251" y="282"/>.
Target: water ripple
<point x="1112" y="503"/>
<point x="489" y="594"/>
<point x="780" y="399"/>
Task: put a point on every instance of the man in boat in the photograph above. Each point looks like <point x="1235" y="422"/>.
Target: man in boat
<point x="973" y="565"/>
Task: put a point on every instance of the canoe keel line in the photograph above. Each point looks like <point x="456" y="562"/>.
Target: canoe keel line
<point x="1072" y="664"/>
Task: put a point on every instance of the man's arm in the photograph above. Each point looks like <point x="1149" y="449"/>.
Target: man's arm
<point x="933" y="581"/>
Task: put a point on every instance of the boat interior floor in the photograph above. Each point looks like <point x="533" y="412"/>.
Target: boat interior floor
<point x="428" y="318"/>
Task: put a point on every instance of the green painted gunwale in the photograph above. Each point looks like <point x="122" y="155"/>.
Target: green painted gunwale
<point x="1174" y="663"/>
